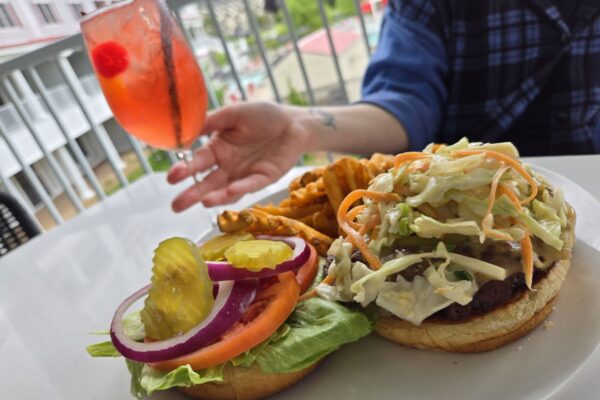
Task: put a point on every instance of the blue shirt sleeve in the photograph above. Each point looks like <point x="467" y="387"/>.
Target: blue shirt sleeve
<point x="406" y="75"/>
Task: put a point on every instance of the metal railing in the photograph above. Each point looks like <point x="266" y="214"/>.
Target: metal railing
<point x="31" y="103"/>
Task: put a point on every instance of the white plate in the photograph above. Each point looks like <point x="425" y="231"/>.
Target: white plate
<point x="533" y="367"/>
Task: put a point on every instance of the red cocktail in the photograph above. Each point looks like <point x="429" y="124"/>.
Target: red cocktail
<point x="147" y="72"/>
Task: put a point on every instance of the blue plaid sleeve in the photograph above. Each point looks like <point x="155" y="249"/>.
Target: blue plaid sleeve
<point x="406" y="75"/>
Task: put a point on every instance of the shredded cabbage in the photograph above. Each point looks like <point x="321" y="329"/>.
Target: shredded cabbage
<point x="341" y="268"/>
<point x="437" y="186"/>
<point x="411" y="301"/>
<point x="383" y="183"/>
<point x="548" y="233"/>
<point x="367" y="287"/>
<point x="427" y="227"/>
<point x="442" y="166"/>
<point x="460" y="291"/>
<point x="557" y="202"/>
<point x="448" y="199"/>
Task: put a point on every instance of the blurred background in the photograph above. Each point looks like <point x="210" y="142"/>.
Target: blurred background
<point x="62" y="151"/>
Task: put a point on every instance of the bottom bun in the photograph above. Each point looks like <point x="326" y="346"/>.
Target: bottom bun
<point x="246" y="384"/>
<point x="492" y="329"/>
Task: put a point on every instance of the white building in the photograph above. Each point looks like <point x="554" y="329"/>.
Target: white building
<point x="27" y="25"/>
<point x="317" y="57"/>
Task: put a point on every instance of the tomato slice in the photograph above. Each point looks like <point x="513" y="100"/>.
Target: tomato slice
<point x="268" y="312"/>
<point x="307" y="272"/>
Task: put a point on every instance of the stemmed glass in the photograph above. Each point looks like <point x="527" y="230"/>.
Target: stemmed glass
<point x="148" y="74"/>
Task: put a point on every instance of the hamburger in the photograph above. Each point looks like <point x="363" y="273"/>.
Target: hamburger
<point x="459" y="248"/>
<point x="224" y="321"/>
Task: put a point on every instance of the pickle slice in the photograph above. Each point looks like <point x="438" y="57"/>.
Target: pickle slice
<point x="214" y="249"/>
<point x="255" y="255"/>
<point x="181" y="295"/>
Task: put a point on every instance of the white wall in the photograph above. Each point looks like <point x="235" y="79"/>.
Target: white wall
<point x="34" y="31"/>
<point x="321" y="72"/>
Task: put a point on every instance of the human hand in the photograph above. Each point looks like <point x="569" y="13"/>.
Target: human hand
<point x="252" y="145"/>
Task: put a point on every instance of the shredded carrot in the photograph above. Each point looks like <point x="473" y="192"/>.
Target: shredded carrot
<point x="419" y="165"/>
<point x="435" y="147"/>
<point x="312" y="293"/>
<point x="516" y="165"/>
<point x="495" y="182"/>
<point x="375" y="233"/>
<point x="503" y="189"/>
<point x="308" y="295"/>
<point x="402" y="190"/>
<point x="527" y="259"/>
<point x="352" y="214"/>
<point x="371" y="223"/>
<point x="488" y="219"/>
<point x="409" y="156"/>
<point x="353" y="236"/>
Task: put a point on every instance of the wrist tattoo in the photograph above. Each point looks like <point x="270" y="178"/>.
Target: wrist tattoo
<point x="327" y="118"/>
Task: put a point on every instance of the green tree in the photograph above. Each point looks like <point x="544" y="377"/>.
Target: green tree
<point x="296" y="98"/>
<point x="306" y="17"/>
<point x="220" y="94"/>
<point x="220" y="59"/>
<point x="209" y="25"/>
<point x="343" y="9"/>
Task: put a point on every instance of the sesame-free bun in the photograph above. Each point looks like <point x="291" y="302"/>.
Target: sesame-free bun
<point x="492" y="329"/>
<point x="246" y="384"/>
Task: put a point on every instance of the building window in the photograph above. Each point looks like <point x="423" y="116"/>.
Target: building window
<point x="77" y="9"/>
<point x="8" y="18"/>
<point x="48" y="13"/>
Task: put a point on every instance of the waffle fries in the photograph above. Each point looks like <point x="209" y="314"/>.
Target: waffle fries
<point x="310" y="209"/>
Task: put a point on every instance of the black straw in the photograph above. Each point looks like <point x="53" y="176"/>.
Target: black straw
<point x="166" y="39"/>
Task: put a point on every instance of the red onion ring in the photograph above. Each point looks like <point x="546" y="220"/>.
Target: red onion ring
<point x="231" y="302"/>
<point x="224" y="271"/>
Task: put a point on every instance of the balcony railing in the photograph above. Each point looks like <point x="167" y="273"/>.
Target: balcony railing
<point x="55" y="125"/>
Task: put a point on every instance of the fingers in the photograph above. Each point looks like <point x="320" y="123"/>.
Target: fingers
<point x="213" y="191"/>
<point x="204" y="158"/>
<point x="221" y="119"/>
<point x="248" y="184"/>
<point x="236" y="190"/>
<point x="197" y="192"/>
<point x="219" y="197"/>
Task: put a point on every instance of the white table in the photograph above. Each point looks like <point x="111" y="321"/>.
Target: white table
<point x="68" y="282"/>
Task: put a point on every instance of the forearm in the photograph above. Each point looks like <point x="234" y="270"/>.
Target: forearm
<point x="359" y="128"/>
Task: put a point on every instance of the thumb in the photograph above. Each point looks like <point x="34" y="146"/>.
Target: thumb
<point x="222" y="119"/>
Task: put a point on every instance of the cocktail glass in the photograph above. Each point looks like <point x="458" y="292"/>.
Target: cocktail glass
<point x="148" y="74"/>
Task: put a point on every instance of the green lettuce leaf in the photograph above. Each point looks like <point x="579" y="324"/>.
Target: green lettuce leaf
<point x="152" y="380"/>
<point x="247" y="359"/>
<point x="133" y="326"/>
<point x="146" y="380"/>
<point x="104" y="349"/>
<point x="135" y="369"/>
<point x="318" y="327"/>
